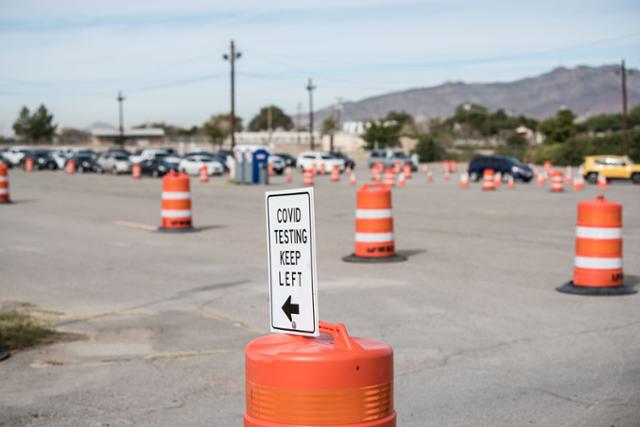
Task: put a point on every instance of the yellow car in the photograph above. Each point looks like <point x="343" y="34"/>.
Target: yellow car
<point x="612" y="167"/>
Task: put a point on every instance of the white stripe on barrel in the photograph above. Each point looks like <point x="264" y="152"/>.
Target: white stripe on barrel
<point x="175" y="213"/>
<point x="373" y="213"/>
<point x="374" y="237"/>
<point x="598" y="263"/>
<point x="4" y="179"/>
<point x="598" y="233"/>
<point x="3" y="191"/>
<point x="176" y="195"/>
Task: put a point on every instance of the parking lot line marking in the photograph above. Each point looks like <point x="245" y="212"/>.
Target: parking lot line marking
<point x="135" y="225"/>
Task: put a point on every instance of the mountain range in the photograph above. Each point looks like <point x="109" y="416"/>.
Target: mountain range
<point x="585" y="90"/>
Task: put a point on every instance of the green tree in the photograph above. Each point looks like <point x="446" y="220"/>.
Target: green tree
<point x="329" y="127"/>
<point x="41" y="125"/>
<point x="515" y="146"/>
<point x="279" y="120"/>
<point x="387" y="132"/>
<point x="475" y="115"/>
<point x="22" y="125"/>
<point x="218" y="128"/>
<point x="429" y="150"/>
<point x="559" y="128"/>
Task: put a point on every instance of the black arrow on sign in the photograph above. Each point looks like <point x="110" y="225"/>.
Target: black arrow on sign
<point x="290" y="309"/>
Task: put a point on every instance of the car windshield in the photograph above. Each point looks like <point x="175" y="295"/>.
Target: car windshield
<point x="398" y="155"/>
<point x="327" y="157"/>
<point x="121" y="157"/>
<point x="514" y="161"/>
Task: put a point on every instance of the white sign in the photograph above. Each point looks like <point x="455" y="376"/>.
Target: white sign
<point x="291" y="244"/>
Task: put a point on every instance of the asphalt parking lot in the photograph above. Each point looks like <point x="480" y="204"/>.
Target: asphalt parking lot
<point x="480" y="336"/>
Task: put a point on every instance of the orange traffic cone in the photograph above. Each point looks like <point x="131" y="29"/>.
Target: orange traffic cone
<point x="136" y="171"/>
<point x="389" y="178"/>
<point x="511" y="184"/>
<point x="71" y="166"/>
<point x="497" y="180"/>
<point x="407" y="171"/>
<point x="352" y="178"/>
<point x="464" y="180"/>
<point x="270" y="171"/>
<point x="397" y="167"/>
<point x="204" y="174"/>
<point x="348" y="171"/>
<point x="28" y="164"/>
<point x="401" y="180"/>
<point x="488" y="181"/>
<point x="323" y="169"/>
<point x="308" y="178"/>
<point x="446" y="175"/>
<point x="374" y="226"/>
<point x="424" y="168"/>
<point x="602" y="182"/>
<point x="289" y="174"/>
<point x="598" y="261"/>
<point x="578" y="183"/>
<point x="335" y="174"/>
<point x="429" y="177"/>
<point x="176" y="203"/>
<point x="568" y="173"/>
<point x="4" y="184"/>
<point x="453" y="165"/>
<point x="557" y="185"/>
<point x="541" y="179"/>
<point x="333" y="379"/>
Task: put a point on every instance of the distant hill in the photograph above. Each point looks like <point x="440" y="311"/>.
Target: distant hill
<point x="585" y="90"/>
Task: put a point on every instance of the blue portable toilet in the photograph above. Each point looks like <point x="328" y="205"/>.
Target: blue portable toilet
<point x="260" y="158"/>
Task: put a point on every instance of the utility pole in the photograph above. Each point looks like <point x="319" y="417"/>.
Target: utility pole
<point x="625" y="121"/>
<point x="298" y="120"/>
<point x="121" y="119"/>
<point x="231" y="57"/>
<point x="310" y="87"/>
<point x="269" y="122"/>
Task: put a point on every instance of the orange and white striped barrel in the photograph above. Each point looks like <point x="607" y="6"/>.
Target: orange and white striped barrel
<point x="557" y="185"/>
<point x="176" y="202"/>
<point x="71" y="166"/>
<point x="568" y="173"/>
<point x="335" y="173"/>
<point x="28" y="164"/>
<point x="308" y="177"/>
<point x="374" y="238"/>
<point x="407" y="171"/>
<point x="389" y="178"/>
<point x="464" y="180"/>
<point x="488" y="181"/>
<point x="204" y="173"/>
<point x="136" y="171"/>
<point x="602" y="182"/>
<point x="331" y="380"/>
<point x="4" y="183"/>
<point x="598" y="261"/>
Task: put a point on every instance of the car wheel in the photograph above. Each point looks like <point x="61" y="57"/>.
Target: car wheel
<point x="155" y="174"/>
<point x="635" y="178"/>
<point x="592" y="177"/>
<point x="473" y="176"/>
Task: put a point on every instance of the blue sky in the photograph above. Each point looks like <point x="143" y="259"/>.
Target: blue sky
<point x="166" y="56"/>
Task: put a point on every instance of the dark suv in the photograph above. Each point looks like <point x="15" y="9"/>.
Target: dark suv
<point x="506" y="165"/>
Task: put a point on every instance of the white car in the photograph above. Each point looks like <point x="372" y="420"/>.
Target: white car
<point x="148" y="154"/>
<point x="114" y="162"/>
<point x="15" y="155"/>
<point x="192" y="162"/>
<point x="314" y="159"/>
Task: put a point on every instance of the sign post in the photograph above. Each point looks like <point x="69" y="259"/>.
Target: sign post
<point x="291" y="247"/>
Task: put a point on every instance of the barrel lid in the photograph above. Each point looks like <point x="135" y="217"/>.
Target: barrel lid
<point x="599" y="213"/>
<point x="332" y="360"/>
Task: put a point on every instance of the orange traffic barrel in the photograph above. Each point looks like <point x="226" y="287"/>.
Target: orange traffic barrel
<point x="598" y="261"/>
<point x="389" y="178"/>
<point x="308" y="177"/>
<point x="204" y="173"/>
<point x="176" y="202"/>
<point x="488" y="182"/>
<point x="331" y="380"/>
<point x="71" y="166"/>
<point x="335" y="173"/>
<point x="4" y="184"/>
<point x="374" y="241"/>
<point x="557" y="185"/>
<point x="136" y="171"/>
<point x="28" y="164"/>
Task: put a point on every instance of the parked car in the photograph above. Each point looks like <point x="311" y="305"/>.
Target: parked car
<point x="15" y="155"/>
<point x="150" y="153"/>
<point x="191" y="164"/>
<point x="277" y="163"/>
<point x="389" y="158"/>
<point x="157" y="167"/>
<point x="4" y="159"/>
<point x="506" y="165"/>
<point x="114" y="161"/>
<point x="348" y="161"/>
<point x="85" y="161"/>
<point x="311" y="159"/>
<point x="289" y="160"/>
<point x="43" y="159"/>
<point x="612" y="167"/>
